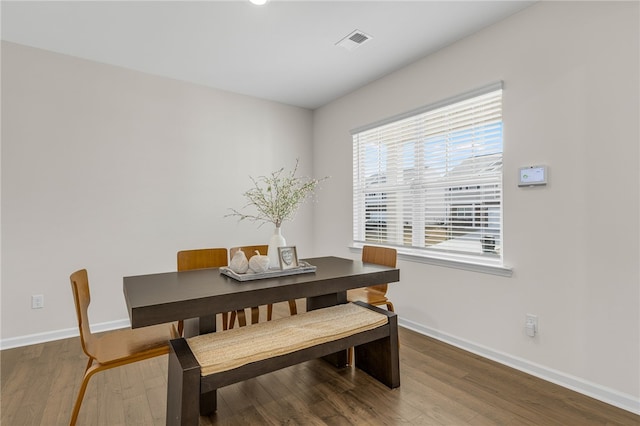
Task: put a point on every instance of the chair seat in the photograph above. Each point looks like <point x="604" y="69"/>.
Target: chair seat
<point x="367" y="295"/>
<point x="117" y="345"/>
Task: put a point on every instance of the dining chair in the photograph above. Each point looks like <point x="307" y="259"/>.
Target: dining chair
<point x="375" y="295"/>
<point x="200" y="259"/>
<point x="255" y="312"/>
<point x="112" y="348"/>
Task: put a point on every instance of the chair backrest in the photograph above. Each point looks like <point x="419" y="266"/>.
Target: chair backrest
<point x="82" y="298"/>
<point x="380" y="256"/>
<point x="249" y="250"/>
<point x="202" y="258"/>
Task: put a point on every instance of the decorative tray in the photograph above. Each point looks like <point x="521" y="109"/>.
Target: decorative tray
<point x="302" y="268"/>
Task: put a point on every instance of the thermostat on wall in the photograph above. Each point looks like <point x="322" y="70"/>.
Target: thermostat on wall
<point x="533" y="175"/>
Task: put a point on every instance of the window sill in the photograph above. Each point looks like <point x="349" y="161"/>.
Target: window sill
<point x="502" y="271"/>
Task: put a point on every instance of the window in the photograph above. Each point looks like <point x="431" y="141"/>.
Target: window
<point x="430" y="182"/>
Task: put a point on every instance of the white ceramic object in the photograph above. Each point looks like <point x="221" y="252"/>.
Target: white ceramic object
<point x="277" y="240"/>
<point x="239" y="263"/>
<point x="259" y="263"/>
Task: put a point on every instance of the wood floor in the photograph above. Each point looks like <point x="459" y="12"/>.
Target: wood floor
<point x="440" y="385"/>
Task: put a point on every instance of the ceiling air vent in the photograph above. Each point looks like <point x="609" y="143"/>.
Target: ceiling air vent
<point x="353" y="40"/>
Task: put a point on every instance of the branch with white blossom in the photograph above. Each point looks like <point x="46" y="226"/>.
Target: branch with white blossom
<point x="277" y="197"/>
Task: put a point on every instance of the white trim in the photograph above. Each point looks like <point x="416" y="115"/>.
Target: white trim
<point x="610" y="396"/>
<point x="32" y="339"/>
<point x="502" y="271"/>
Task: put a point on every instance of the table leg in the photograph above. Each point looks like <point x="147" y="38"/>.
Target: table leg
<point x="198" y="326"/>
<point x="325" y="300"/>
<point x="338" y="359"/>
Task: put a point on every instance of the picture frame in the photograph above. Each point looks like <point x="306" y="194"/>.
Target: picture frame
<point x="288" y="257"/>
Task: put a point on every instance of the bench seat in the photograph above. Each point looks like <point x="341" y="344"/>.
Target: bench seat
<point x="200" y="365"/>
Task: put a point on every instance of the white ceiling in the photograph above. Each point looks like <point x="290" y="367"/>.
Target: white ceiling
<point x="284" y="51"/>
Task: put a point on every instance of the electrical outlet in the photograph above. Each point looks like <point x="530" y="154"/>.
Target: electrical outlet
<point x="37" y="301"/>
<point x="531" y="325"/>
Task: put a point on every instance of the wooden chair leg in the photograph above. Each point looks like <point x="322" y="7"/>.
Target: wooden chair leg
<point x="232" y="320"/>
<point x="242" y="318"/>
<point x="225" y="321"/>
<point x="255" y="315"/>
<point x="293" y="308"/>
<point x="88" y="373"/>
<point x="269" y="312"/>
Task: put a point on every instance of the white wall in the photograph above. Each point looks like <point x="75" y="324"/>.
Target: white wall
<point x="115" y="171"/>
<point x="571" y="79"/>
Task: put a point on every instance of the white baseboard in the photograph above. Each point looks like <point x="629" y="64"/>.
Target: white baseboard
<point x="32" y="339"/>
<point x="610" y="396"/>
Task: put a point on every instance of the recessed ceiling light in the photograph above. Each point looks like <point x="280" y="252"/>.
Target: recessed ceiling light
<point x="259" y="2"/>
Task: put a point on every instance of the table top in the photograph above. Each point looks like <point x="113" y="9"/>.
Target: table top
<point x="171" y="296"/>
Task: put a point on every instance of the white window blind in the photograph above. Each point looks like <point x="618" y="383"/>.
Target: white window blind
<point x="430" y="182"/>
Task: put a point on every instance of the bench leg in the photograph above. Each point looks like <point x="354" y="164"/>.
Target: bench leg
<point x="380" y="358"/>
<point x="208" y="403"/>
<point x="183" y="386"/>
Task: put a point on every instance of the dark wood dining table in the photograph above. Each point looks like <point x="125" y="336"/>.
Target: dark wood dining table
<point x="197" y="296"/>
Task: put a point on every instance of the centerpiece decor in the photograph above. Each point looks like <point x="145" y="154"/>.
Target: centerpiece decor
<point x="276" y="198"/>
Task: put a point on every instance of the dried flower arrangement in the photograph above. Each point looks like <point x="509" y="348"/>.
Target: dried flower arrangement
<point x="277" y="196"/>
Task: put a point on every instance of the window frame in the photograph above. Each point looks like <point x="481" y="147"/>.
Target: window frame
<point x="475" y="214"/>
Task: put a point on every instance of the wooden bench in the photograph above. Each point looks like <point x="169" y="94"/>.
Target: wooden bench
<point x="198" y="366"/>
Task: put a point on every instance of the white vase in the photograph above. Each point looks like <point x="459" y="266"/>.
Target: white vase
<point x="277" y="240"/>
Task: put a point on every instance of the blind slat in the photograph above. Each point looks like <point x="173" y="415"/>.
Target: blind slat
<point x="432" y="180"/>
